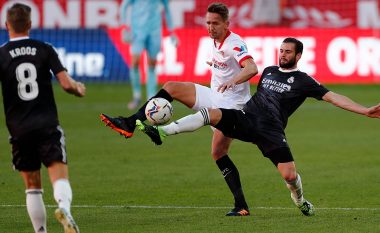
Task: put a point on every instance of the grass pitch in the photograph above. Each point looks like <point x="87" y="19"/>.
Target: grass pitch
<point x="134" y="186"/>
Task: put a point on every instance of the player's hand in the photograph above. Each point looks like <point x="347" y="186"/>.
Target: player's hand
<point x="227" y="85"/>
<point x="81" y="89"/>
<point x="174" y="40"/>
<point x="209" y="63"/>
<point x="374" y="112"/>
<point x="126" y="35"/>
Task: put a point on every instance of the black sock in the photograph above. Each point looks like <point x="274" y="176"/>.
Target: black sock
<point x="232" y="178"/>
<point x="140" y="114"/>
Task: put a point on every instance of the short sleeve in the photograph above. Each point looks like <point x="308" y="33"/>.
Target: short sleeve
<point x="54" y="62"/>
<point x="315" y="89"/>
<point x="240" y="51"/>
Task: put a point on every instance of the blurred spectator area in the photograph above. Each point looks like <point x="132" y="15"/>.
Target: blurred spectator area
<point x="341" y="37"/>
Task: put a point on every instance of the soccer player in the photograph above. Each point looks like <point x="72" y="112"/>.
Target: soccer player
<point x="144" y="34"/>
<point x="230" y="62"/>
<point x="31" y="116"/>
<point x="262" y="121"/>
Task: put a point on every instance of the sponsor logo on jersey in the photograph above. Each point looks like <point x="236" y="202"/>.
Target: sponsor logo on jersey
<point x="275" y="85"/>
<point x="242" y="50"/>
<point x="239" y="49"/>
<point x="219" y="65"/>
<point x="242" y="53"/>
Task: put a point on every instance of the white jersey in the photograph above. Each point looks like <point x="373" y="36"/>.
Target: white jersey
<point x="227" y="57"/>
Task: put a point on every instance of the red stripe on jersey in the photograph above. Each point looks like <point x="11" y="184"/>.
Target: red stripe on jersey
<point x="244" y="58"/>
<point x="221" y="44"/>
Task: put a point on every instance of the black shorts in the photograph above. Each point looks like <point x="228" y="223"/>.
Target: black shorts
<point x="251" y="127"/>
<point x="39" y="146"/>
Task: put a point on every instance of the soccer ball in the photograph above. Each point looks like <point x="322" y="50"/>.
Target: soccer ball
<point x="158" y="111"/>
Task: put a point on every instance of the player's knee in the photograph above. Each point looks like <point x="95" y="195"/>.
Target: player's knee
<point x="135" y="63"/>
<point x="287" y="171"/>
<point x="152" y="63"/>
<point x="169" y="87"/>
<point x="32" y="180"/>
<point x="215" y="115"/>
<point x="290" y="176"/>
<point x="177" y="90"/>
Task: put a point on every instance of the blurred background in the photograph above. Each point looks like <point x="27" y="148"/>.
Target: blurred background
<point x="341" y="38"/>
<point x="134" y="186"/>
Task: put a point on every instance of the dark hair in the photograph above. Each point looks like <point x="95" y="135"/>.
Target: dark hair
<point x="18" y="16"/>
<point x="220" y="9"/>
<point x="298" y="44"/>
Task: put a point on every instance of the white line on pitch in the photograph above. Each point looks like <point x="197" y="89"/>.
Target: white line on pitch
<point x="193" y="207"/>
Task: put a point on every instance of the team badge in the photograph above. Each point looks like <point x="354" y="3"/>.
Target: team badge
<point x="290" y="80"/>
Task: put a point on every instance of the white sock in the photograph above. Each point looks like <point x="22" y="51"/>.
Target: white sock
<point x="188" y="123"/>
<point x="296" y="191"/>
<point x="36" y="209"/>
<point x="63" y="194"/>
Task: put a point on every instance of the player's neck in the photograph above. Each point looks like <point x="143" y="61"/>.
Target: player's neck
<point x="14" y="35"/>
<point x="223" y="37"/>
<point x="294" y="68"/>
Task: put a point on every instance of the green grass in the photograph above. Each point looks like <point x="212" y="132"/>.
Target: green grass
<point x="134" y="186"/>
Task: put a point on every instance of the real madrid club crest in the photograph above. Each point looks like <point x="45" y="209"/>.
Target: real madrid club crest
<point x="290" y="80"/>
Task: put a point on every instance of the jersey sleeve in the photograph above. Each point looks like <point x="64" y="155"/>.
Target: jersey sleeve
<point x="240" y="51"/>
<point x="315" y="89"/>
<point x="54" y="62"/>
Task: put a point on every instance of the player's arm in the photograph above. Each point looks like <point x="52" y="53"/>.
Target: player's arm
<point x="249" y="70"/>
<point x="349" y="105"/>
<point x="70" y="85"/>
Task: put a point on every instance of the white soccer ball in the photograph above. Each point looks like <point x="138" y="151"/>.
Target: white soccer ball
<point x="158" y="111"/>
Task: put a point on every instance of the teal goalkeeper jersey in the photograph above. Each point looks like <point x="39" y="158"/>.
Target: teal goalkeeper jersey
<point x="146" y="15"/>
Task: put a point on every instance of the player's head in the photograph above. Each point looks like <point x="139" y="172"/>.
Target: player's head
<point x="290" y="52"/>
<point x="217" y="20"/>
<point x="19" y="18"/>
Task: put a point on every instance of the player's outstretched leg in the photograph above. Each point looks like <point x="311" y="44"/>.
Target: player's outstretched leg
<point x="66" y="220"/>
<point x="124" y="126"/>
<point x="296" y="193"/>
<point x="307" y="208"/>
<point x="154" y="132"/>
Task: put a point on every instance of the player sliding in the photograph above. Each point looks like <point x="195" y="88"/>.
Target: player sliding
<point x="231" y="62"/>
<point x="281" y="90"/>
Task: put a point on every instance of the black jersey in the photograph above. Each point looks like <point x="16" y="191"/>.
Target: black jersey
<point x="279" y="94"/>
<point x="28" y="99"/>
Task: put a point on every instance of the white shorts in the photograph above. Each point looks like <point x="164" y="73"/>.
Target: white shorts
<point x="207" y="98"/>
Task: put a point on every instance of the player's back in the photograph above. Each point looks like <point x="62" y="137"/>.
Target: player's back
<point x="25" y="76"/>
